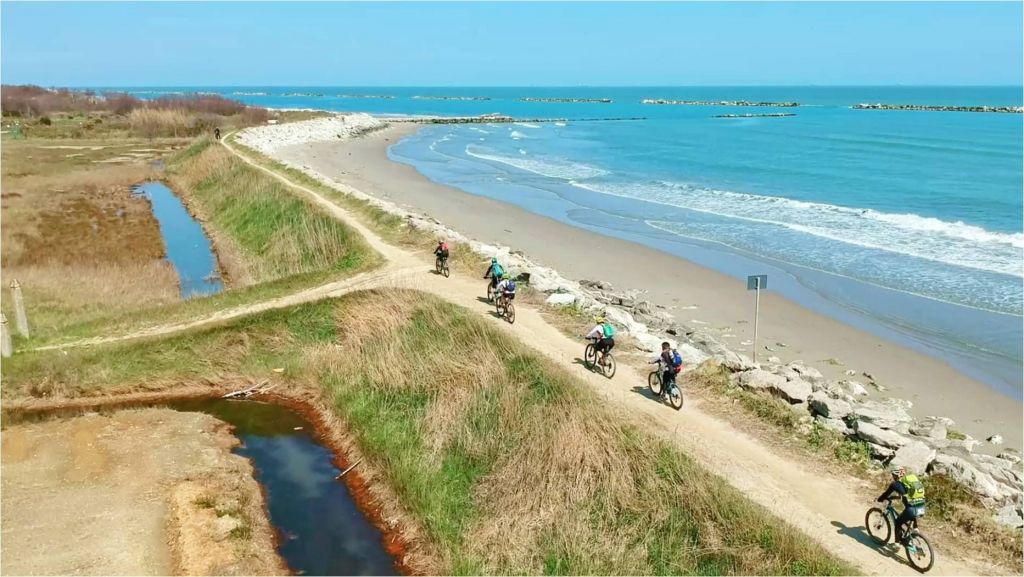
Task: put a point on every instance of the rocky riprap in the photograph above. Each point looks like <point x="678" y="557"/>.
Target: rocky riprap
<point x="932" y="108"/>
<point x="567" y="100"/>
<point x="451" y="97"/>
<point x="768" y="115"/>
<point x="843" y="406"/>
<point x="718" y="103"/>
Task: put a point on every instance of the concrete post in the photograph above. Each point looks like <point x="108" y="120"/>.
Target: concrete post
<point x="20" y="318"/>
<point x="6" y="349"/>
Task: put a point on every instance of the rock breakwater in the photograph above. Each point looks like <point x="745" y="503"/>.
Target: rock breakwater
<point x="567" y="100"/>
<point x="718" y="103"/>
<point x="768" y="115"/>
<point x="932" y="108"/>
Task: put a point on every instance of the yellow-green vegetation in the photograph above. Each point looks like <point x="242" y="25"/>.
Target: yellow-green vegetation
<point x="507" y="462"/>
<point x="269" y="241"/>
<point x="391" y="227"/>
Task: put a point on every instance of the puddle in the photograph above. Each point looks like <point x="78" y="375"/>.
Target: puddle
<point x="320" y="528"/>
<point x="188" y="249"/>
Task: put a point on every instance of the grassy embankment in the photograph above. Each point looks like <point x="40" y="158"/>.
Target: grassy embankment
<point x="268" y="240"/>
<point x="505" y="462"/>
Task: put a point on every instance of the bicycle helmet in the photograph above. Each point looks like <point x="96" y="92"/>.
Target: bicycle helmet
<point x="494" y="260"/>
<point x="601" y="320"/>
<point x="897" y="471"/>
<point x="506" y="276"/>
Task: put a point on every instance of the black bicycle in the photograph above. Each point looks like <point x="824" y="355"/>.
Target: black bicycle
<point x="881" y="525"/>
<point x="655" y="381"/>
<point x="441" y="266"/>
<point x="506" y="308"/>
<point x="602" y="361"/>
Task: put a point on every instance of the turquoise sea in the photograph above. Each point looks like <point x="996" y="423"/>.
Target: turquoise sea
<point x="907" y="224"/>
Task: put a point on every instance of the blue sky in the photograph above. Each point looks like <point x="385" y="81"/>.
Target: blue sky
<point x="515" y="44"/>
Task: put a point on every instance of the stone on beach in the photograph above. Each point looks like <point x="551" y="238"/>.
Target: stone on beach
<point x="561" y="299"/>
<point x="965" y="472"/>
<point x="794" y="392"/>
<point x="822" y="404"/>
<point x="879" y="436"/>
<point x="887" y="415"/>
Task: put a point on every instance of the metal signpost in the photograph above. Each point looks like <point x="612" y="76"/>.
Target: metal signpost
<point x="756" y="283"/>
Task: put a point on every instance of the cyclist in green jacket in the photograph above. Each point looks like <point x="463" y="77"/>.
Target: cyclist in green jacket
<point x="911" y="491"/>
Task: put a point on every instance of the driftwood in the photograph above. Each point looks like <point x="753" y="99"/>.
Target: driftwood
<point x="345" y="472"/>
<point x="248" y="392"/>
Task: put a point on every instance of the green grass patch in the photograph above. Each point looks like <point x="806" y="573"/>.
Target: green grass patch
<point x="508" y="462"/>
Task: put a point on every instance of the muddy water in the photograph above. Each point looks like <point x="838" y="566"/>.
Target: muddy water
<point x="188" y="249"/>
<point x="322" y="532"/>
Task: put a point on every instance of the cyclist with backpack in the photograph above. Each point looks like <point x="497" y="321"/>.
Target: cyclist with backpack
<point x="441" y="252"/>
<point x="672" y="364"/>
<point x="494" y="272"/>
<point x="506" y="289"/>
<point x="911" y="490"/>
<point x="603" y="334"/>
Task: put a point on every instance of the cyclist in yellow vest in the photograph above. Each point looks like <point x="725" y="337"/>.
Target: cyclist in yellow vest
<point x="911" y="491"/>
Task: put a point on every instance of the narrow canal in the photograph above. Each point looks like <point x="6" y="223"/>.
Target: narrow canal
<point x="188" y="248"/>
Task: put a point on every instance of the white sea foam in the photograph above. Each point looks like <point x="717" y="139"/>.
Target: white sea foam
<point x="559" y="123"/>
<point x="522" y="151"/>
<point x="550" y="167"/>
<point x="480" y="130"/>
<point x="526" y="124"/>
<point x="516" y="135"/>
<point x="953" y="243"/>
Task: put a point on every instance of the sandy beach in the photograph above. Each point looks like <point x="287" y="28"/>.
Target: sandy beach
<point x="695" y="295"/>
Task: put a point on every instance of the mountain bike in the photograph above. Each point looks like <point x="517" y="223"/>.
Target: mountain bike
<point x="506" y="308"/>
<point x="491" y="289"/>
<point x="881" y="526"/>
<point x="603" y="361"/>
<point x="674" y="395"/>
<point x="441" y="266"/>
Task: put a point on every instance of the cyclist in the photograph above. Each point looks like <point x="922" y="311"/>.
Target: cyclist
<point x="216" y="133"/>
<point x="911" y="491"/>
<point x="671" y="365"/>
<point x="603" y="334"/>
<point x="494" y="272"/>
<point x="441" y="251"/>
<point x="506" y="289"/>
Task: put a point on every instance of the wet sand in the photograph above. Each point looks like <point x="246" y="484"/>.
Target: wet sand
<point x="695" y="295"/>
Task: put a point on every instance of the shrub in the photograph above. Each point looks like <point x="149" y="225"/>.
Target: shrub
<point x="45" y="121"/>
<point x="152" y="123"/>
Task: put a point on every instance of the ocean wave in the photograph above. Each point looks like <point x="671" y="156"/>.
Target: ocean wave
<point x="953" y="243"/>
<point x="480" y="130"/>
<point x="522" y="151"/>
<point x="560" y="123"/>
<point x="526" y="124"/>
<point x="550" y="167"/>
<point x="516" y="135"/>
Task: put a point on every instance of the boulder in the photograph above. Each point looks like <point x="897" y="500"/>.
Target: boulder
<point x="880" y="452"/>
<point x="735" y="361"/>
<point x="758" y="379"/>
<point x="931" y="428"/>
<point x="965" y="472"/>
<point x="1009" y="516"/>
<point x="995" y="439"/>
<point x="854" y="388"/>
<point x="1010" y="455"/>
<point x="836" y="425"/>
<point x="886" y="415"/>
<point x="795" y="391"/>
<point x="806" y="372"/>
<point x="561" y="299"/>
<point x="879" y="436"/>
<point x="625" y="320"/>
<point x="822" y="404"/>
<point x="775" y="360"/>
<point x="915" y="456"/>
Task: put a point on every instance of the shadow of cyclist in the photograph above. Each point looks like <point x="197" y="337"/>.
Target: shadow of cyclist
<point x="860" y="534"/>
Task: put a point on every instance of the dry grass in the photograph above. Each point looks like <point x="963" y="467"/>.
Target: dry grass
<point x="151" y="122"/>
<point x="507" y="463"/>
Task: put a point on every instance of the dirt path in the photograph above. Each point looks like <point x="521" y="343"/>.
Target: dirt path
<point x="90" y="496"/>
<point x="829" y="508"/>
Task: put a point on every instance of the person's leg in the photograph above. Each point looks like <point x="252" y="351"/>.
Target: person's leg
<point x="901" y="523"/>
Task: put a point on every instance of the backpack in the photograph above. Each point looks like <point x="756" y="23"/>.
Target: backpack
<point x="608" y="330"/>
<point x="914" y="488"/>
<point x="444" y="247"/>
<point x="677" y="361"/>
<point x="496" y="270"/>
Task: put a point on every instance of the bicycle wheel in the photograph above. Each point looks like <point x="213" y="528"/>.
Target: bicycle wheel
<point x="590" y="356"/>
<point x="444" y="269"/>
<point x="879" y="525"/>
<point x="654" y="382"/>
<point x="919" y="552"/>
<point x="608" y="368"/>
<point x="437" y="266"/>
<point x="490" y="293"/>
<point x="510" y="312"/>
<point x="675" y="397"/>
